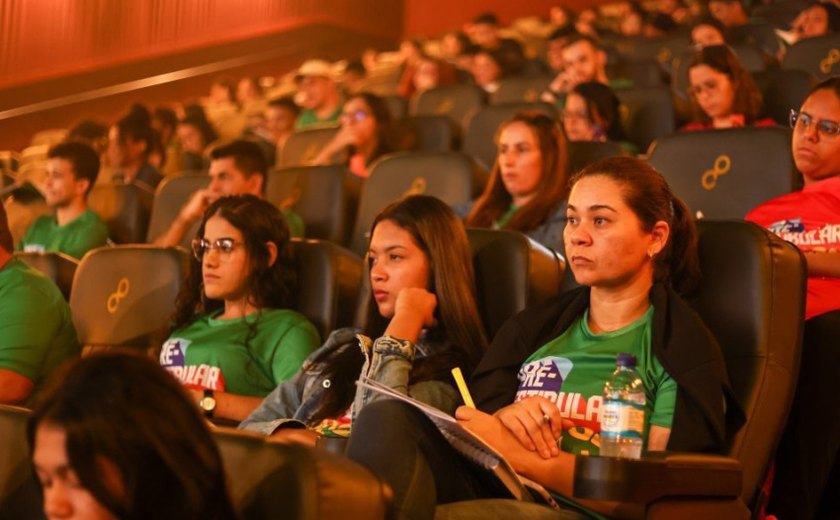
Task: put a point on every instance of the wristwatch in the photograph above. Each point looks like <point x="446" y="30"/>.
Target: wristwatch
<point x="208" y="403"/>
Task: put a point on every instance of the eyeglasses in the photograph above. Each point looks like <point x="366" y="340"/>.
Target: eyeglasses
<point x="708" y="86"/>
<point x="224" y="246"/>
<point x="803" y="122"/>
<point x="357" y="116"/>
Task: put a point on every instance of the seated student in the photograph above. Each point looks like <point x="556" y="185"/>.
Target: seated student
<point x="36" y="327"/>
<point x="195" y="134"/>
<point x="233" y="331"/>
<point x="130" y="141"/>
<point x="527" y="187"/>
<point x="485" y="33"/>
<point x="723" y="95"/>
<point x="318" y="95"/>
<point x="583" y="60"/>
<point x="427" y="74"/>
<point x="808" y="458"/>
<point x="591" y="114"/>
<point x="707" y="32"/>
<point x="422" y="317"/>
<point x="236" y="168"/>
<point x="364" y="135"/>
<point x="632" y="245"/>
<point x="818" y="19"/>
<point x="113" y="436"/>
<point x="488" y="69"/>
<point x="74" y="230"/>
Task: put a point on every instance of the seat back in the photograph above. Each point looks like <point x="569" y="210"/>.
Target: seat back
<point x="752" y="298"/>
<point x="512" y="272"/>
<point x="520" y="89"/>
<point x="454" y="101"/>
<point x="660" y="50"/>
<point x="449" y="176"/>
<point x="303" y="146"/>
<point x="125" y="210"/>
<point x="20" y="496"/>
<point x="762" y="35"/>
<point x="171" y="194"/>
<point x="725" y="173"/>
<point x="325" y="197"/>
<point x="647" y="114"/>
<point x="268" y="480"/>
<point x="583" y="153"/>
<point x="819" y="56"/>
<point x="328" y="280"/>
<point x="783" y="90"/>
<point x="479" y="139"/>
<point x="58" y="267"/>
<point x="640" y="72"/>
<point x="426" y="133"/>
<point x="124" y="295"/>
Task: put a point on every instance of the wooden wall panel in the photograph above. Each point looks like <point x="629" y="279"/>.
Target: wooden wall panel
<point x="43" y="39"/>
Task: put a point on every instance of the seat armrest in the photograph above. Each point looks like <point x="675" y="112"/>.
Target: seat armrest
<point x="655" y="476"/>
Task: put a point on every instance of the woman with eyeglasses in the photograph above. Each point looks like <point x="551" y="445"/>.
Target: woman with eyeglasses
<point x="807" y="474"/>
<point x="723" y="95"/>
<point x="233" y="336"/>
<point x="422" y="321"/>
<point x="363" y="137"/>
<point x="591" y="114"/>
<point x="527" y="187"/>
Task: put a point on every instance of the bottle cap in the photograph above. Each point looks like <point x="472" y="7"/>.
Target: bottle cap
<point x="625" y="360"/>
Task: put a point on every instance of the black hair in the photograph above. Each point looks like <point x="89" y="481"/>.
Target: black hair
<point x="82" y="156"/>
<point x="127" y="412"/>
<point x="287" y="102"/>
<point x="487" y="18"/>
<point x="6" y="240"/>
<point x="602" y="106"/>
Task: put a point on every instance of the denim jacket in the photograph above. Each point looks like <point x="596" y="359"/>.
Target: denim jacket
<point x="387" y="360"/>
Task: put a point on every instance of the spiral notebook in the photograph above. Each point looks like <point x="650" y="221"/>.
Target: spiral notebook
<point x="471" y="446"/>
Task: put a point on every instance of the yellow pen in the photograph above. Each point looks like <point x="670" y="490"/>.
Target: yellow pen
<point x="462" y="387"/>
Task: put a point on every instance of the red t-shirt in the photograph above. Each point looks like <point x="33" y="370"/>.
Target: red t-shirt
<point x="810" y="219"/>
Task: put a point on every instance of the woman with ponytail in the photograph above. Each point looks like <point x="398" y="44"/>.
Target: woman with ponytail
<point x="632" y="246"/>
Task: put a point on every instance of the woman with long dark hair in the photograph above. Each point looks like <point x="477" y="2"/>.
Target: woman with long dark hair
<point x="233" y="336"/>
<point x="422" y="322"/>
<point x="114" y="436"/>
<point x="632" y="245"/>
<point x="527" y="187"/>
<point x="364" y="134"/>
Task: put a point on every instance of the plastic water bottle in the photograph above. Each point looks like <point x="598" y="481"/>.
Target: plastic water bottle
<point x="623" y="411"/>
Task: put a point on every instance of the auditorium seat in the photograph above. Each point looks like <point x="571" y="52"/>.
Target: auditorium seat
<point x="752" y="298"/>
<point x="303" y="146"/>
<point x="171" y="195"/>
<point x="426" y="133"/>
<point x="819" y="56"/>
<point x="661" y="50"/>
<point x="725" y="173"/>
<point x="456" y="102"/>
<point x="521" y="89"/>
<point x="325" y="197"/>
<point x="125" y="210"/>
<point x="20" y="494"/>
<point x="397" y="106"/>
<point x="480" y="137"/>
<point x="328" y="280"/>
<point x="583" y="153"/>
<point x="638" y="72"/>
<point x="512" y="272"/>
<point x="58" y="267"/>
<point x="760" y="34"/>
<point x="647" y="113"/>
<point x="269" y="480"/>
<point x="450" y="176"/>
<point x="782" y="90"/>
<point x="124" y="295"/>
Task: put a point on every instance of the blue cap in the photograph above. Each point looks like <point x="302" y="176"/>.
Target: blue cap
<point x="625" y="360"/>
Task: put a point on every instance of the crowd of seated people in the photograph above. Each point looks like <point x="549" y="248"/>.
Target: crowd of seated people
<point x="246" y="356"/>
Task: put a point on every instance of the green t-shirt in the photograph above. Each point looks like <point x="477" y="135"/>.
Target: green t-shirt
<point x="308" y="119"/>
<point x="505" y="217"/>
<point x="211" y="353"/>
<point x="571" y="371"/>
<point x="36" y="327"/>
<point x="75" y="238"/>
<point x="296" y="226"/>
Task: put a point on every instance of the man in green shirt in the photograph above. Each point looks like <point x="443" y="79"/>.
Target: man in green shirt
<point x="237" y="168"/>
<point x="319" y="95"/>
<point x="72" y="168"/>
<point x="36" y="328"/>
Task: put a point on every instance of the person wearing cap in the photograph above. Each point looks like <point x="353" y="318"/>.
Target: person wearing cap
<point x="36" y="327"/>
<point x="72" y="169"/>
<point x="318" y="95"/>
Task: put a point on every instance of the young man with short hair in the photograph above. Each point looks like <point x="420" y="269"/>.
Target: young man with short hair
<point x="72" y="169"/>
<point x="237" y="168"/>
